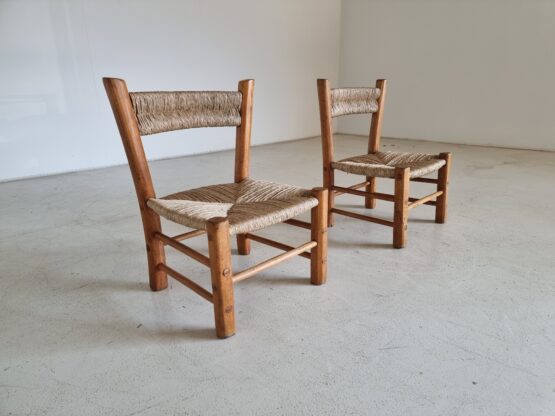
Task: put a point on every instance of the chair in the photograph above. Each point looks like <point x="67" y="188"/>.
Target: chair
<point x="220" y="211"/>
<point x="402" y="167"/>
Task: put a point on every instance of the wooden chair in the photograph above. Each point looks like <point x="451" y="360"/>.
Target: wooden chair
<point x="402" y="167"/>
<point x="238" y="208"/>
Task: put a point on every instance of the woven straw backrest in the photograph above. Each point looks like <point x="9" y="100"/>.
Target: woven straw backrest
<point x="161" y="111"/>
<point x="354" y="101"/>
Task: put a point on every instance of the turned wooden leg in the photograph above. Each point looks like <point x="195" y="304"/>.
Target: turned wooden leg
<point x="243" y="244"/>
<point x="443" y="185"/>
<point x="222" y="283"/>
<point x="401" y="209"/>
<point x="319" y="233"/>
<point x="370" y="202"/>
<point x="158" y="279"/>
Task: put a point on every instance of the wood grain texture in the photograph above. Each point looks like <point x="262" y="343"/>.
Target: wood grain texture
<point x="374" y="140"/>
<point x="222" y="279"/>
<point x="319" y="234"/>
<point x="242" y="148"/>
<point x="443" y="186"/>
<point x="201" y="258"/>
<point x="326" y="127"/>
<point x="187" y="282"/>
<point x="189" y="234"/>
<point x="370" y="201"/>
<point x="275" y="244"/>
<point x="416" y="202"/>
<point x="376" y="195"/>
<point x="401" y="207"/>
<point x="363" y="217"/>
<point x="118" y="95"/>
<point x="263" y="265"/>
<point x="355" y="186"/>
<point x="243" y="132"/>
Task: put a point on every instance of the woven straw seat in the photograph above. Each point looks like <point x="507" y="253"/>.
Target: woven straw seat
<point x="249" y="205"/>
<point x="383" y="164"/>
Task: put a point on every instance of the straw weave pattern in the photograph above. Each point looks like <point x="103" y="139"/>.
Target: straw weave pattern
<point x="354" y="101"/>
<point x="383" y="164"/>
<point x="249" y="205"/>
<point x="161" y="111"/>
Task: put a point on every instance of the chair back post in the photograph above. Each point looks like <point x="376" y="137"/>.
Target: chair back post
<point x="126" y="120"/>
<point x="324" y="102"/>
<point x="243" y="135"/>
<point x="376" y="124"/>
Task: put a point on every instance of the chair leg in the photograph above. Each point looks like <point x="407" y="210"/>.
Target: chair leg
<point x="319" y="233"/>
<point x="443" y="185"/>
<point x="158" y="279"/>
<point x="331" y="197"/>
<point x="370" y="202"/>
<point x="222" y="283"/>
<point x="243" y="244"/>
<point x="401" y="209"/>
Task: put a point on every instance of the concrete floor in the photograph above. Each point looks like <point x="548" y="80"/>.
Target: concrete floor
<point x="461" y="322"/>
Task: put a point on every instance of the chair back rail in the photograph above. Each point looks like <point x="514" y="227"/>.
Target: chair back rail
<point x="346" y="101"/>
<point x="161" y="111"/>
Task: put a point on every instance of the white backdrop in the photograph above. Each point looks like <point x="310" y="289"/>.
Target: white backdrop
<point x="462" y="71"/>
<point x="54" y="116"/>
<point x="479" y="72"/>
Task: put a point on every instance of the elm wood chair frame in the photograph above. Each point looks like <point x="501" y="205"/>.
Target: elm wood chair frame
<point x="217" y="229"/>
<point x="402" y="175"/>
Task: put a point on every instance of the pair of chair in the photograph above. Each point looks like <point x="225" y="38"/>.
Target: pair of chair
<point x="247" y="205"/>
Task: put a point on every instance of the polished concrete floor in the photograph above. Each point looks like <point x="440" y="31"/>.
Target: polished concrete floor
<point x="461" y="322"/>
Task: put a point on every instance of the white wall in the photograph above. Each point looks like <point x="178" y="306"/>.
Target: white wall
<point x="54" y="115"/>
<point x="473" y="71"/>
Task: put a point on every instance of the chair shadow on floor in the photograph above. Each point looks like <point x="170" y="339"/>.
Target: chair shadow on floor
<point x="116" y="324"/>
<point x="286" y="281"/>
<point x="421" y="220"/>
<point x="113" y="321"/>
<point x="118" y="285"/>
<point x="386" y="215"/>
<point x="359" y="245"/>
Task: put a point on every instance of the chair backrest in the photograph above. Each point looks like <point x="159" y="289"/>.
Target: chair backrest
<point x="335" y="102"/>
<point x="142" y="113"/>
<point x="162" y="111"/>
<point x="346" y="101"/>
